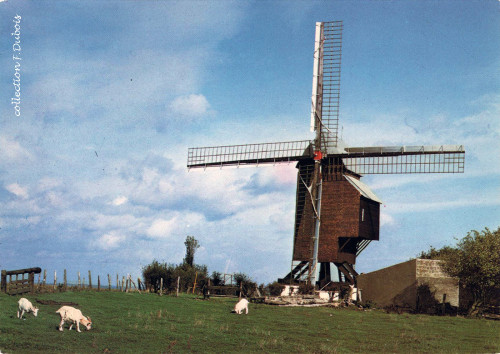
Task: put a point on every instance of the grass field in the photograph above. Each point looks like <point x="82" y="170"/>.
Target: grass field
<point x="132" y="322"/>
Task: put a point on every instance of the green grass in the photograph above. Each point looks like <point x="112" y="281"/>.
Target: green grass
<point x="142" y="323"/>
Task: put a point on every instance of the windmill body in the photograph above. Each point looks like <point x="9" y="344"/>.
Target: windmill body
<point x="336" y="214"/>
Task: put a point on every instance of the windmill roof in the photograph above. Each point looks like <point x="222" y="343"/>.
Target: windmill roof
<point x="363" y="189"/>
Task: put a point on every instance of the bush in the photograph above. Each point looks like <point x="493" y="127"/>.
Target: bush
<point x="275" y="289"/>
<point x="369" y="304"/>
<point x="247" y="285"/>
<point x="306" y="289"/>
<point x="154" y="272"/>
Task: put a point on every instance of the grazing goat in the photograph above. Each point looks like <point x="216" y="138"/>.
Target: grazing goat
<point x="26" y="306"/>
<point x="240" y="306"/>
<point x="70" y="314"/>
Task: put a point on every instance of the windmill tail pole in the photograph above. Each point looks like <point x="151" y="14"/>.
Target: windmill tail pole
<point x="316" y="235"/>
<point x="317" y="191"/>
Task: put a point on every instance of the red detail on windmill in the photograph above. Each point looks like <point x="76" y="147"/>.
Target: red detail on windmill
<point x="318" y="155"/>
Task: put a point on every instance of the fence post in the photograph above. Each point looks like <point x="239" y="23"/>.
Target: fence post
<point x="178" y="282"/>
<point x="65" y="280"/>
<point x="31" y="280"/>
<point x="90" y="280"/>
<point x="44" y="277"/>
<point x="79" y="281"/>
<point x="117" y="282"/>
<point x="4" y="281"/>
<point x="123" y="281"/>
<point x="161" y="286"/>
<point x="55" y="279"/>
<point x="98" y="283"/>
<point x="206" y="292"/>
<point x="109" y="282"/>
<point x="195" y="278"/>
<point x="132" y="283"/>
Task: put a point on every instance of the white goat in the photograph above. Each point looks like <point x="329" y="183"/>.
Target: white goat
<point x="26" y="306"/>
<point x="70" y="314"/>
<point x="240" y="306"/>
<point x="354" y="294"/>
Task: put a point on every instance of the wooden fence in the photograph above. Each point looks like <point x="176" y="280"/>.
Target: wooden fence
<point x="21" y="281"/>
<point x="26" y="283"/>
<point x="125" y="283"/>
<point x="16" y="286"/>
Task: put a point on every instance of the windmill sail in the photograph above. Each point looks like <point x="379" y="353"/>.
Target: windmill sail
<point x="325" y="99"/>
<point x="405" y="159"/>
<point x="231" y="155"/>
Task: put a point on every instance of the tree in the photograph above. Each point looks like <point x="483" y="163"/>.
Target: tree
<point x="476" y="262"/>
<point x="154" y="272"/>
<point x="433" y="253"/>
<point x="216" y="278"/>
<point x="247" y="285"/>
<point x="191" y="246"/>
<point x="189" y="274"/>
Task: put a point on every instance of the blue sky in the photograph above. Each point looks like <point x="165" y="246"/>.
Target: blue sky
<point x="92" y="172"/>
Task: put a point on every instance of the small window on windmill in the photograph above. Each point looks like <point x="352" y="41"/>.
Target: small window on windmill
<point x="363" y="214"/>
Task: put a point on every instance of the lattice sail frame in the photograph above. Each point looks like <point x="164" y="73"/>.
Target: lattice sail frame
<point x="405" y="159"/>
<point x="325" y="99"/>
<point x="231" y="155"/>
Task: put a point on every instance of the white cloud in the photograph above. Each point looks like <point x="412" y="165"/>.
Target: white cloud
<point x="34" y="220"/>
<point x="190" y="105"/>
<point x="119" y="200"/>
<point x="12" y="151"/>
<point x="479" y="201"/>
<point x="386" y="219"/>
<point x="177" y="224"/>
<point x="283" y="174"/>
<point x="149" y="176"/>
<point x="127" y="222"/>
<point x="48" y="183"/>
<point x="17" y="190"/>
<point x="162" y="228"/>
<point x="56" y="199"/>
<point x="58" y="94"/>
<point x="381" y="182"/>
<point x="480" y="133"/>
<point x="109" y="241"/>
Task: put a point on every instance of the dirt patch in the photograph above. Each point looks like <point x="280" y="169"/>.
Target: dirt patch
<point x="58" y="303"/>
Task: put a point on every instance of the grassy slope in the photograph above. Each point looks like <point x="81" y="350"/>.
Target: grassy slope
<point x="150" y="323"/>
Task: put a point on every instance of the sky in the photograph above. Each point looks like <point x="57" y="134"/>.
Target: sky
<point x="100" y="101"/>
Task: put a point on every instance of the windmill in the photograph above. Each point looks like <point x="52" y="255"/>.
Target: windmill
<point x="336" y="215"/>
